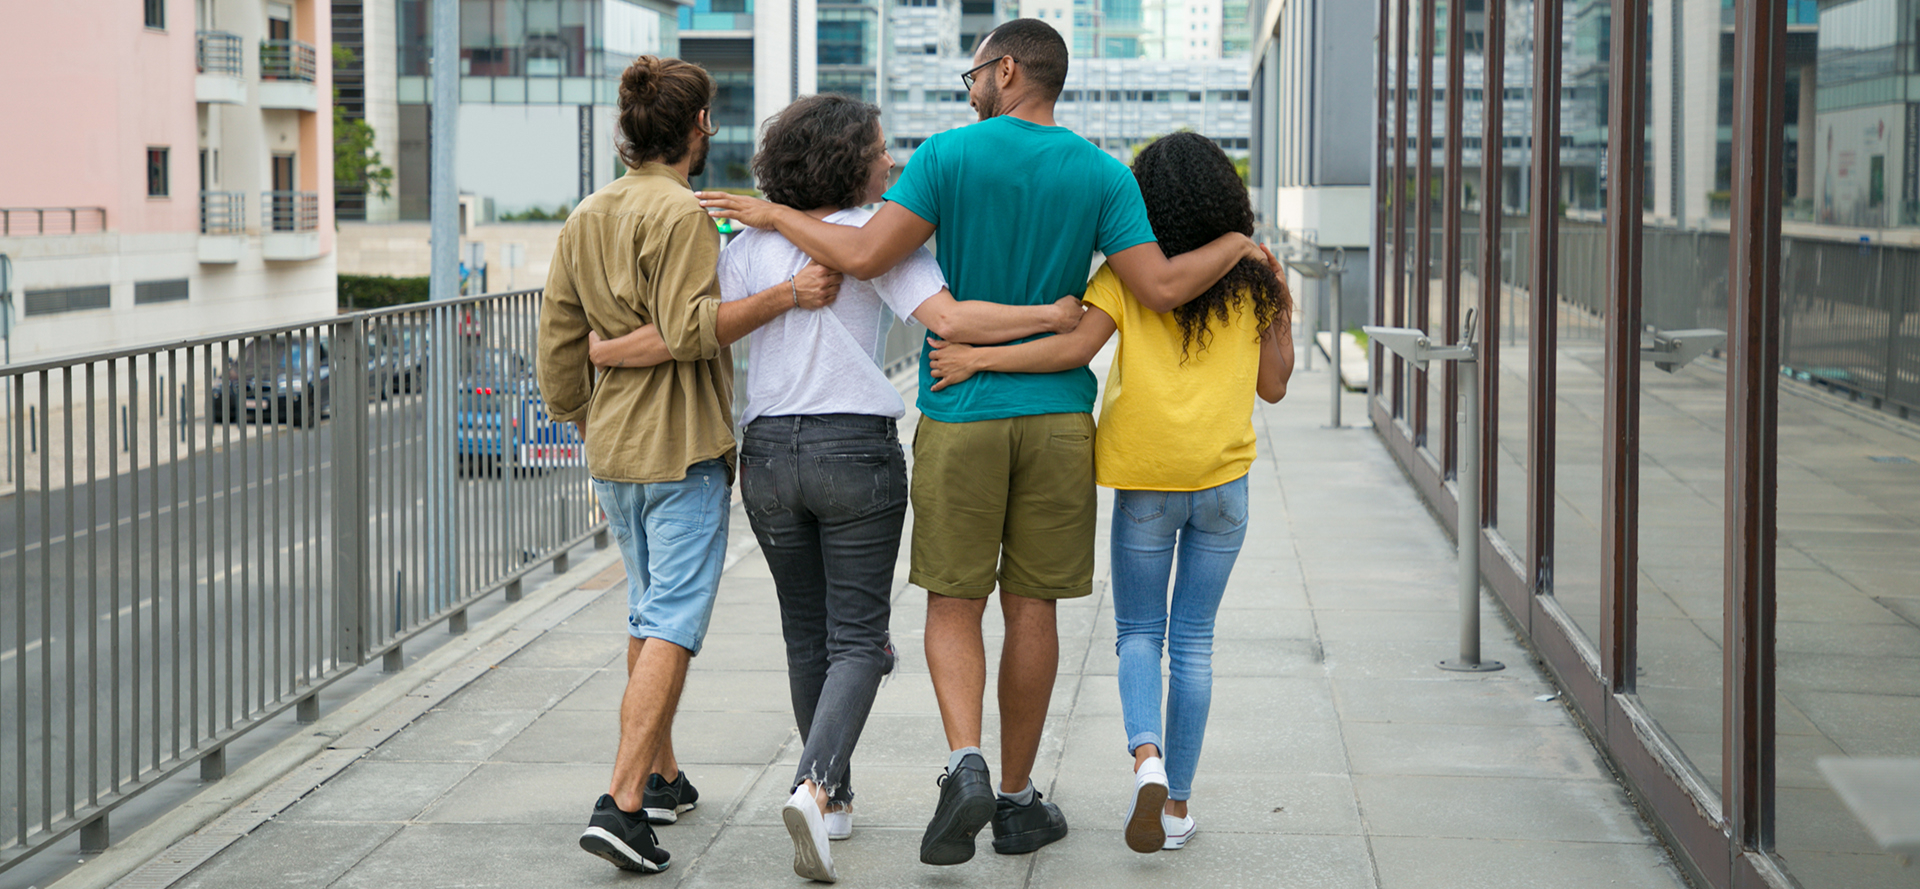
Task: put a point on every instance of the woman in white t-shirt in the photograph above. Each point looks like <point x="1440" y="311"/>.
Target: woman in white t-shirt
<point x="822" y="473"/>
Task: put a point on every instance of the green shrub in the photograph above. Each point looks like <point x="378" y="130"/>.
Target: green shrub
<point x="380" y="291"/>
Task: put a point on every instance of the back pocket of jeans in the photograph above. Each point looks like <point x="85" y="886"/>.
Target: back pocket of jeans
<point x="862" y="484"/>
<point x="760" y="487"/>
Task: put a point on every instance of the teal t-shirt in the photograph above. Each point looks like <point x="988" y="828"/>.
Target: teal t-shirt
<point x="1020" y="210"/>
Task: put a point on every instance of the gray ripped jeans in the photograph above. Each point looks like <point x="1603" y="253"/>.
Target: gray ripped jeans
<point x="827" y="496"/>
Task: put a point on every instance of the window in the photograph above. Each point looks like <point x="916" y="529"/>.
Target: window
<point x="157" y="14"/>
<point x="901" y="95"/>
<point x="66" y="299"/>
<point x="159" y="291"/>
<point x="729" y="6"/>
<point x="157" y="172"/>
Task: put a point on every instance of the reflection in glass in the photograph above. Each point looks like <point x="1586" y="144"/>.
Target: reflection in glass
<point x="1848" y="550"/>
<point x="1512" y="90"/>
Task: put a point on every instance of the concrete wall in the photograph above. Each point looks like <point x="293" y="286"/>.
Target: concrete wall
<point x="401" y="249"/>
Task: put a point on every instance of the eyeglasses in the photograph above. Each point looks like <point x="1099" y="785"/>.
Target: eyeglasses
<point x="968" y="78"/>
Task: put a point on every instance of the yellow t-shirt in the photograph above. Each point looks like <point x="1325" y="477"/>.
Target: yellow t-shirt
<point x="1165" y="426"/>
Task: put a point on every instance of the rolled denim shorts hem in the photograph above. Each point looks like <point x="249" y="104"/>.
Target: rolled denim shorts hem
<point x="666" y="634"/>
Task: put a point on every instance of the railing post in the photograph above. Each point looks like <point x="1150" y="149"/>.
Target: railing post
<point x="213" y="766"/>
<point x="353" y="609"/>
<point x="93" y="836"/>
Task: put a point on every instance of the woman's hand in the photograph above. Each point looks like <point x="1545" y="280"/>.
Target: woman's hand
<point x="952" y="363"/>
<point x="815" y="286"/>
<point x="1272" y="261"/>
<point x="1067" y="312"/>
<point x="740" y="208"/>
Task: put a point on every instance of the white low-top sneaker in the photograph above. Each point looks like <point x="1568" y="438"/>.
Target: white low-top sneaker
<point x="1178" y="830"/>
<point x="1143" y="829"/>
<point x="839" y="823"/>
<point x="811" y="858"/>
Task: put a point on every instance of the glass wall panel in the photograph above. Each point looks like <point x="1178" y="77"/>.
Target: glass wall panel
<point x="1683" y="282"/>
<point x="1511" y="89"/>
<point x="1423" y="229"/>
<point x="1580" y="313"/>
<point x="1848" y="680"/>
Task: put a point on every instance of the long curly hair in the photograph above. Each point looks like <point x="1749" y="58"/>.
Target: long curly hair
<point x="1193" y="196"/>
<point x="817" y="152"/>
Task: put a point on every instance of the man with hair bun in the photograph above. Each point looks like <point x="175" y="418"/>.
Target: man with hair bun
<point x="1003" y="482"/>
<point x="659" y="439"/>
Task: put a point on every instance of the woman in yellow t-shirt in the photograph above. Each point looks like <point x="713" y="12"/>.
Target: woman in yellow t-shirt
<point x="1174" y="441"/>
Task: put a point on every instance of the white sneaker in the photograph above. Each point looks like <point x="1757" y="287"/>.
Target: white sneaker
<point x="839" y="822"/>
<point x="1144" y="832"/>
<point x="811" y="859"/>
<point x="1178" y="830"/>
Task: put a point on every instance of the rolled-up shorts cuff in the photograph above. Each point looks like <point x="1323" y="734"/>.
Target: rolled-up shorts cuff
<point x="1026" y="591"/>
<point x="950" y="590"/>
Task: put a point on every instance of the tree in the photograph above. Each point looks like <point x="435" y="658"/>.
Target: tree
<point x="354" y="158"/>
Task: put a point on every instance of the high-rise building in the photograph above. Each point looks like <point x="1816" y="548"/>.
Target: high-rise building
<point x="177" y="178"/>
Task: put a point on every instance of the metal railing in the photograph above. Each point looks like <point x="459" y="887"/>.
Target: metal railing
<point x="286" y="60"/>
<point x="15" y="221"/>
<point x="217" y="52"/>
<point x="204" y="535"/>
<point x="223" y="213"/>
<point x="291" y="211"/>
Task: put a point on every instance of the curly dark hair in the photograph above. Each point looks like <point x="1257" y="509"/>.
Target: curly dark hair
<point x="660" y="103"/>
<point x="816" y="152"/>
<point x="1193" y="196"/>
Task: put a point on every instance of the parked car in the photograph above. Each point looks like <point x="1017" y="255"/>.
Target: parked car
<point x="502" y="423"/>
<point x="396" y="359"/>
<point x="283" y="378"/>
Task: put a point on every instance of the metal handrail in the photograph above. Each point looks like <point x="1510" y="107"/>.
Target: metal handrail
<point x="291" y="211"/>
<point x="217" y="52"/>
<point x="210" y="532"/>
<point x="74" y="216"/>
<point x="286" y="60"/>
<point x="223" y="213"/>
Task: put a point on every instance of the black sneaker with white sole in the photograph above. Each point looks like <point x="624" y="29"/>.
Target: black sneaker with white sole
<point x="665" y="801"/>
<point x="623" y="838"/>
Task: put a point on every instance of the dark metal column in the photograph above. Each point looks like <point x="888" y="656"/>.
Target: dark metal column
<point x="1450" y="248"/>
<point x="1396" y="391"/>
<point x="1543" y="283"/>
<point x="1753" y="361"/>
<point x="1492" y="200"/>
<point x="1620" y="452"/>
<point x="1423" y="221"/>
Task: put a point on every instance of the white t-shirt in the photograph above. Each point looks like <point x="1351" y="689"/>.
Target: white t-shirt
<point x="822" y="361"/>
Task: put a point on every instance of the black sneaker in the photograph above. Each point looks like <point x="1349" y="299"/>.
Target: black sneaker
<point x="1019" y="829"/>
<point x="623" y="838"/>
<point x="966" y="804"/>
<point x="663" y="801"/>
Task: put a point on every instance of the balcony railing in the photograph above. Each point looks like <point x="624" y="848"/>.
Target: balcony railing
<point x="217" y="52"/>
<point x="286" y="60"/>
<point x="223" y="213"/>
<point x="17" y="221"/>
<point x="292" y="211"/>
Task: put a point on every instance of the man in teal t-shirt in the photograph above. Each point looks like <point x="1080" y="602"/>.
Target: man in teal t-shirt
<point x="1003" y="490"/>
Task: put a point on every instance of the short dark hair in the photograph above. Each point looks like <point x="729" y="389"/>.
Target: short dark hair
<point x="660" y="102"/>
<point x="1038" y="49"/>
<point x="816" y="151"/>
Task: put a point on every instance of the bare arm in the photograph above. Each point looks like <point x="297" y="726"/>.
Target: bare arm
<point x="1276" y="360"/>
<point x="814" y="287"/>
<point x="954" y="363"/>
<point x="1163" y="284"/>
<point x="864" y="252"/>
<point x="981" y="322"/>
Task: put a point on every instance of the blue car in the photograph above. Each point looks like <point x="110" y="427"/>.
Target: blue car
<point x="501" y="422"/>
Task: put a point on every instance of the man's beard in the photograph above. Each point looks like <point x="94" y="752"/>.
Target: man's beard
<point x="700" y="157"/>
<point x="988" y="104"/>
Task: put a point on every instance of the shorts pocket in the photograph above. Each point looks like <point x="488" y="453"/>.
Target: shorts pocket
<point x="859" y="485"/>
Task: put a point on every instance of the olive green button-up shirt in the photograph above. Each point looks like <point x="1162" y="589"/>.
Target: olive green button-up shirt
<point x="639" y="251"/>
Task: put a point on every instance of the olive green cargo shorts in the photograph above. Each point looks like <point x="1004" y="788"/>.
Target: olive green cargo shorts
<point x="1008" y="501"/>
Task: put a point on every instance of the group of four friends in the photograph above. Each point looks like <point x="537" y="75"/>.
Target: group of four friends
<point x="641" y="306"/>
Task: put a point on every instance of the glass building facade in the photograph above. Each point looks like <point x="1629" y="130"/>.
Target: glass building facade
<point x="1717" y="559"/>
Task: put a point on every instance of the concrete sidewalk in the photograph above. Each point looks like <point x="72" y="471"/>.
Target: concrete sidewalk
<point x="1337" y="755"/>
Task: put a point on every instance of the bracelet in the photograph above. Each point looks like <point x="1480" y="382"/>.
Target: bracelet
<point x="795" y="290"/>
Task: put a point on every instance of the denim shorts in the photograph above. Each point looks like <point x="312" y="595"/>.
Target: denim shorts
<point x="673" y="538"/>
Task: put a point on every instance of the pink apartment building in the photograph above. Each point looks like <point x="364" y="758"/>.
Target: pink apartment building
<point x="168" y="170"/>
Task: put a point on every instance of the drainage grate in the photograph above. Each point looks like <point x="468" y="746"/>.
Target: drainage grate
<point x="1894" y="459"/>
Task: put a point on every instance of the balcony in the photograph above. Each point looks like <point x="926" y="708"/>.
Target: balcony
<point x="286" y="75"/>
<point x="290" y="227"/>
<point x="18" y="222"/>
<point x="223" y="226"/>
<point x="219" y="69"/>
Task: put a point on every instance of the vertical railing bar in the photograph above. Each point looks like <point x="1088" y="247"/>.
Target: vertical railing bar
<point x="19" y="387"/>
<point x="73" y="591"/>
<point x="235" y="409"/>
<point x="191" y="502"/>
<point x="271" y="513"/>
<point x="46" y="608"/>
<point x="174" y="508"/>
<point x="249" y="386"/>
<point x="156" y="673"/>
<point x="299" y="571"/>
<point x="93" y="595"/>
<point x="113" y="568"/>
